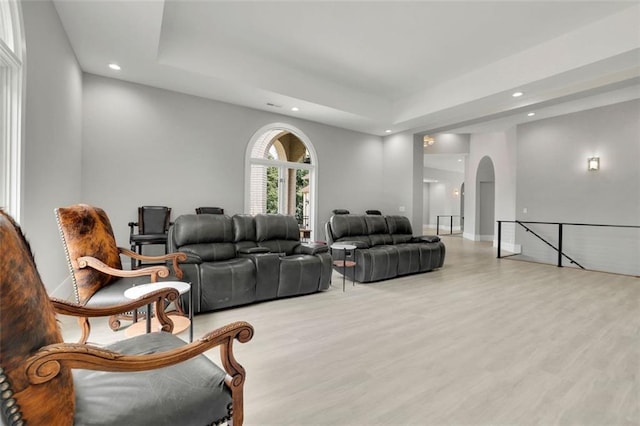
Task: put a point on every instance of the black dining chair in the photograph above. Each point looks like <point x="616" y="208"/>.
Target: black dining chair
<point x="153" y="228"/>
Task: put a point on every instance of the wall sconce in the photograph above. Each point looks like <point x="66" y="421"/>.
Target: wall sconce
<point x="456" y="192"/>
<point x="593" y="164"/>
<point x="427" y="140"/>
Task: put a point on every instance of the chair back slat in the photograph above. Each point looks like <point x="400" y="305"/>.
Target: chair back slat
<point x="153" y="219"/>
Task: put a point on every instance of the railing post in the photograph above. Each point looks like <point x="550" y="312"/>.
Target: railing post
<point x="560" y="245"/>
<point x="451" y="225"/>
<point x="438" y="225"/>
<point x="499" y="237"/>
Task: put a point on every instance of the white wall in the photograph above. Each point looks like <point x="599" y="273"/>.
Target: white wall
<point x="52" y="139"/>
<point x="402" y="178"/>
<point x="500" y="147"/>
<point x="150" y="146"/>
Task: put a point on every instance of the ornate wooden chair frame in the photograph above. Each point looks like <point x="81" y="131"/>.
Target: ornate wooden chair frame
<point x="129" y="309"/>
<point x="35" y="380"/>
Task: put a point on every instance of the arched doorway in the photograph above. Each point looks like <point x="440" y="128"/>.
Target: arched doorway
<point x="280" y="175"/>
<point x="485" y="200"/>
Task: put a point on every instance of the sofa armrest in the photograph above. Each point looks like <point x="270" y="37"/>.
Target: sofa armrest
<point x="191" y="256"/>
<point x="311" y="248"/>
<point x="426" y="239"/>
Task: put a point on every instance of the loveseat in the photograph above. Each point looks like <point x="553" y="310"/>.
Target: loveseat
<point x="237" y="260"/>
<point x="386" y="246"/>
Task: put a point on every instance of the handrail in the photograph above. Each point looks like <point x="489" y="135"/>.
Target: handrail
<point x="560" y="228"/>
<point x="451" y="216"/>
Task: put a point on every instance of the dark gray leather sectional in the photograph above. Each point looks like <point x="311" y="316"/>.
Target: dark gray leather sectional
<point x="386" y="247"/>
<point x="243" y="259"/>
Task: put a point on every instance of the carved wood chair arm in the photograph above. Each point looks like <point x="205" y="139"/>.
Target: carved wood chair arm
<point x="173" y="257"/>
<point x="153" y="271"/>
<point x="44" y="365"/>
<point x="64" y="307"/>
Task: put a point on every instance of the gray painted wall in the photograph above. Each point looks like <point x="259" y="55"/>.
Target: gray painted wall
<point x="554" y="185"/>
<point x="149" y="146"/>
<point x="52" y="139"/>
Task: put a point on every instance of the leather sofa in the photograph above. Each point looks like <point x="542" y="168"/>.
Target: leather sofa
<point x="238" y="260"/>
<point x="386" y="246"/>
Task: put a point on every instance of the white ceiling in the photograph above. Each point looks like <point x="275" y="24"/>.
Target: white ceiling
<point x="371" y="65"/>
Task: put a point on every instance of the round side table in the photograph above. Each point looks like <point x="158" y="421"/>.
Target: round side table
<point x="180" y="323"/>
<point x="344" y="263"/>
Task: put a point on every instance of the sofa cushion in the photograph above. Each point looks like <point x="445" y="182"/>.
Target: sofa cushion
<point x="199" y="228"/>
<point x="227" y="283"/>
<point x="276" y="227"/>
<point x="400" y="229"/>
<point x="200" y="395"/>
<point x="399" y="225"/>
<point x="244" y="228"/>
<point x="378" y="231"/>
<point x="299" y="274"/>
<point x="347" y="225"/>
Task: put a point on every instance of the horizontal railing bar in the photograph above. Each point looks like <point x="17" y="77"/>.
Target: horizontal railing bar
<point x="571" y="224"/>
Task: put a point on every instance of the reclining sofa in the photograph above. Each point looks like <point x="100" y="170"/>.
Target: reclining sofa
<point x="385" y="246"/>
<point x="238" y="260"/>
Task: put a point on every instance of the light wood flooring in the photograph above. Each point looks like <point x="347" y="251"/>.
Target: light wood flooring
<point x="481" y="341"/>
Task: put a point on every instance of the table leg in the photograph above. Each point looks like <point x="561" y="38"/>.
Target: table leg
<point x="190" y="313"/>
<point x="148" y="318"/>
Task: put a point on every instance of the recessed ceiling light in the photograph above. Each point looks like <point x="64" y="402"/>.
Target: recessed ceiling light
<point x="295" y="109"/>
<point x="114" y="67"/>
<point x="388" y="131"/>
<point x="459" y="160"/>
<point x="531" y="114"/>
<point x="517" y="94"/>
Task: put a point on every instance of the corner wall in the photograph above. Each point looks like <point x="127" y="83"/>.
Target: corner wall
<point x="52" y="139"/>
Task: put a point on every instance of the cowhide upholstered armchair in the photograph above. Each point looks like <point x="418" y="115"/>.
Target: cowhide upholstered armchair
<point x="44" y="381"/>
<point x="96" y="269"/>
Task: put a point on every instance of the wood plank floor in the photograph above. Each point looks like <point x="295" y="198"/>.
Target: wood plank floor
<point x="481" y="341"/>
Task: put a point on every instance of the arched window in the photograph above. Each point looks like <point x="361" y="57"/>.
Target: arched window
<point x="11" y="71"/>
<point x="281" y="175"/>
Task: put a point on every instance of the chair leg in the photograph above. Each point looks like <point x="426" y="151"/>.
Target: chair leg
<point x="85" y="329"/>
<point x="133" y="261"/>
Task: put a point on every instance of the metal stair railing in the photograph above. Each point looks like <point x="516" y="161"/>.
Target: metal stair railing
<point x="558" y="249"/>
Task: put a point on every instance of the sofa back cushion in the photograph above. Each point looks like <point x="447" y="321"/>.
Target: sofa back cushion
<point x="378" y="231"/>
<point x="400" y="229"/>
<point x="279" y="233"/>
<point x="349" y="227"/>
<point x="208" y="236"/>
<point x="244" y="228"/>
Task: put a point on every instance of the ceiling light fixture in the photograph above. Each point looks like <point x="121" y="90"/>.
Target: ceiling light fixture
<point x="593" y="164"/>
<point x="294" y="109"/>
<point x="388" y="131"/>
<point x="517" y="94"/>
<point x="428" y="140"/>
<point x="114" y="66"/>
<point x="531" y="114"/>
